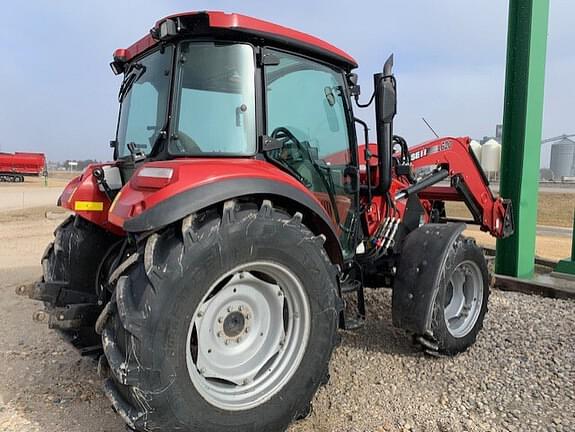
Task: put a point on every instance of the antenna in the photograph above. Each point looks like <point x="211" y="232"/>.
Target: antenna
<point x="430" y="128"/>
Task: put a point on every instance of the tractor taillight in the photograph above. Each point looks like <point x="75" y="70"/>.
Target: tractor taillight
<point x="153" y="178"/>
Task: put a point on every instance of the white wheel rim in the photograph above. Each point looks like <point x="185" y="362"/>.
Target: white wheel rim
<point x="463" y="299"/>
<point x="248" y="335"/>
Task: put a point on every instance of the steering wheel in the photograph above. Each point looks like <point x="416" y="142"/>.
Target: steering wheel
<point x="284" y="136"/>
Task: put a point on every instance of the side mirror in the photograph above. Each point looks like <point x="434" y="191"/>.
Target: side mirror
<point x="354" y="87"/>
<point x="385" y="109"/>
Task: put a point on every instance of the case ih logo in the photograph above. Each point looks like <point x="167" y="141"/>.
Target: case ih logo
<point x="419" y="154"/>
<point x="445" y="145"/>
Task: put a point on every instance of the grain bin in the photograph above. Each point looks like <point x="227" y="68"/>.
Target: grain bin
<point x="490" y="158"/>
<point x="476" y="147"/>
<point x="563" y="158"/>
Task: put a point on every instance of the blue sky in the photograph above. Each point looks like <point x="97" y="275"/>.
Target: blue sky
<point x="59" y="95"/>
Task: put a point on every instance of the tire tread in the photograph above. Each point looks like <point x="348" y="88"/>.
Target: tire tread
<point x="126" y="328"/>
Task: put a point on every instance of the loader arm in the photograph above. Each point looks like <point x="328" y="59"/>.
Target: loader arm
<point x="468" y="183"/>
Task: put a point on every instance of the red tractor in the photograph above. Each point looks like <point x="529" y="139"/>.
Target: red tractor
<point x="209" y="262"/>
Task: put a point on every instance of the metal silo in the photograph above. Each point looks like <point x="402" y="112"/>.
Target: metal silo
<point x="490" y="158"/>
<point x="563" y="158"/>
<point x="476" y="147"/>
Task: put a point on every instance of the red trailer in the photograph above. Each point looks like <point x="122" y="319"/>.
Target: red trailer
<point x="14" y="166"/>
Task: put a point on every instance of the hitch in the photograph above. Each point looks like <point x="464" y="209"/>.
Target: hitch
<point x="55" y="293"/>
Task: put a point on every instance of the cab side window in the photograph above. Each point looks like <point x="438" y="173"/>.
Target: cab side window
<point x="305" y="97"/>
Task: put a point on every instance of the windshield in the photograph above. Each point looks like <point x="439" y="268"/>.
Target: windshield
<point x="144" y="98"/>
<point x="215" y="101"/>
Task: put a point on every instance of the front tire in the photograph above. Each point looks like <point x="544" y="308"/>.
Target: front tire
<point x="460" y="304"/>
<point x="225" y="325"/>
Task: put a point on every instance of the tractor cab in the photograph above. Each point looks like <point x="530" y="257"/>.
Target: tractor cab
<point x="212" y="85"/>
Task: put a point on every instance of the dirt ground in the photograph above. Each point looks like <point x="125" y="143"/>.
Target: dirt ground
<point x="518" y="377"/>
<point x="34" y="192"/>
<point x="553" y="209"/>
<point x="45" y="386"/>
<point x="54" y="179"/>
<point x="550" y="247"/>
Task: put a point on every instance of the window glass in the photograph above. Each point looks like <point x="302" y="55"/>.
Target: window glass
<point x="216" y="100"/>
<point x="144" y="98"/>
<point x="306" y="116"/>
<point x="306" y="98"/>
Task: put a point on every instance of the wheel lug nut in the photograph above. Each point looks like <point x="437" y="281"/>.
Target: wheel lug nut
<point x="219" y="334"/>
<point x="200" y="314"/>
<point x="227" y="342"/>
<point x="240" y="308"/>
<point x="202" y="371"/>
<point x="220" y="320"/>
<point x="280" y="293"/>
<point x="248" y="316"/>
<point x="229" y="308"/>
<point x="238" y="340"/>
<point x="247" y="330"/>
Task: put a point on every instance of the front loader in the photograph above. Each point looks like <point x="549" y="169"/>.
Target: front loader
<point x="207" y="265"/>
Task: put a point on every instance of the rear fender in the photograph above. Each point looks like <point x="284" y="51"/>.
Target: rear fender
<point x="421" y="266"/>
<point x="137" y="210"/>
<point x="83" y="196"/>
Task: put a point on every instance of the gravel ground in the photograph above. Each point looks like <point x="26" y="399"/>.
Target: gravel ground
<point x="520" y="375"/>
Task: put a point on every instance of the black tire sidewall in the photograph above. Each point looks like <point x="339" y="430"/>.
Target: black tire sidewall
<point x="247" y="240"/>
<point x="78" y="248"/>
<point x="466" y="250"/>
<point x="74" y="258"/>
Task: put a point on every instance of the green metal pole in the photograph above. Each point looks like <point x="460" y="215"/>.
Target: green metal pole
<point x="573" y="240"/>
<point x="567" y="266"/>
<point x="522" y="121"/>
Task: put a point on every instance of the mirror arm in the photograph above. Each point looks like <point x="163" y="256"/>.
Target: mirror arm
<point x="365" y="105"/>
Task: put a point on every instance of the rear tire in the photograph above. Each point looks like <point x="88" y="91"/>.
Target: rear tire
<point x="460" y="305"/>
<point x="74" y="257"/>
<point x="157" y="382"/>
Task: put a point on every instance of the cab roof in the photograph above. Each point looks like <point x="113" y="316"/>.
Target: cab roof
<point x="236" y="25"/>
